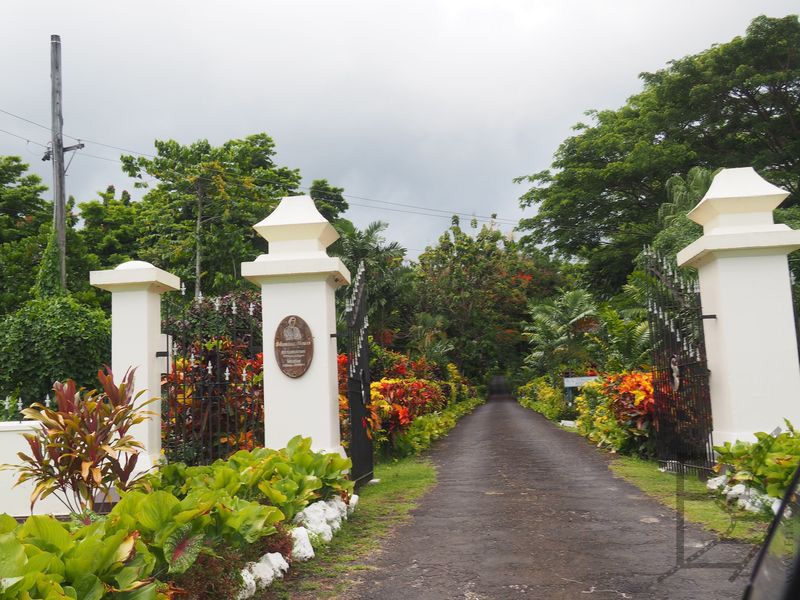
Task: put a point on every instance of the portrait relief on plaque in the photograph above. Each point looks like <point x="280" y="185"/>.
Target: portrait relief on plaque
<point x="294" y="346"/>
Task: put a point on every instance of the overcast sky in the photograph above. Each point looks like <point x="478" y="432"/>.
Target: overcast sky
<point x="427" y="103"/>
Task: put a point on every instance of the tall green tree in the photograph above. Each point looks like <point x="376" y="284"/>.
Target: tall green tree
<point x="732" y="105"/>
<point x="388" y="280"/>
<point x="112" y="229"/>
<point x="197" y="219"/>
<point x="22" y="208"/>
<point x="480" y="286"/>
<point x="328" y="199"/>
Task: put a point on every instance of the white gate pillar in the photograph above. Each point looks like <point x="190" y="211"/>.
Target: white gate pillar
<point x="745" y="290"/>
<point x="136" y="287"/>
<point x="298" y="280"/>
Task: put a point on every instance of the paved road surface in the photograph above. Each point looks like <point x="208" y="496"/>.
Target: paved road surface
<point x="525" y="510"/>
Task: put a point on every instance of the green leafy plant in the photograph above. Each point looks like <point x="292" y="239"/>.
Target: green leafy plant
<point x="768" y="464"/>
<point x="544" y="398"/>
<point x="83" y="448"/>
<point x="288" y="479"/>
<point x="49" y="340"/>
<point x="43" y="559"/>
<point x="426" y="429"/>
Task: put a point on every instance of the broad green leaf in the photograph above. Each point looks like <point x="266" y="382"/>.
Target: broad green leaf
<point x="147" y="592"/>
<point x="47" y="533"/>
<point x="89" y="587"/>
<point x="182" y="548"/>
<point x="157" y="510"/>
<point x="12" y="556"/>
<point x="7" y="523"/>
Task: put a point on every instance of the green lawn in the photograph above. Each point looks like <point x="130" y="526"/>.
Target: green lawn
<point x="700" y="506"/>
<point x="381" y="508"/>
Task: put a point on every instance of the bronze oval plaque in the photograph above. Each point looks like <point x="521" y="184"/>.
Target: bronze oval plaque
<point x="294" y="346"/>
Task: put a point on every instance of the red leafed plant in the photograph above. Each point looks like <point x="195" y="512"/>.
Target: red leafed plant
<point x="83" y="448"/>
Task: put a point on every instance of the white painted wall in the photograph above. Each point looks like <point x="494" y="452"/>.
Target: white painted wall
<point x="136" y="289"/>
<point x="744" y="280"/>
<point x="15" y="501"/>
<point x="298" y="277"/>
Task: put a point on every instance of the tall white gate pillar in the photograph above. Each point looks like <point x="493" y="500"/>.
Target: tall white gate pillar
<point x="745" y="290"/>
<point x="136" y="287"/>
<point x="298" y="280"/>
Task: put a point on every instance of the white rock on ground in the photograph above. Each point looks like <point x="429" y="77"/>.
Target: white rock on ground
<point x="313" y="518"/>
<point x="302" y="549"/>
<point x="333" y="516"/>
<point x="351" y="507"/>
<point x="261" y="574"/>
<point x="716" y="483"/>
<point x="337" y="504"/>
<point x="248" y="585"/>
<point x="737" y="491"/>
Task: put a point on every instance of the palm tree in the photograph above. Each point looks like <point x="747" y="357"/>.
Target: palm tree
<point x="557" y="333"/>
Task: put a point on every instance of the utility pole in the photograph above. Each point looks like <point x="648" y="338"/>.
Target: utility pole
<point x="56" y="152"/>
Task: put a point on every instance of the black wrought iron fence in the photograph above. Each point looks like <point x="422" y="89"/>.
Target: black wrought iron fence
<point x="212" y="392"/>
<point x="681" y="391"/>
<point x="358" y="380"/>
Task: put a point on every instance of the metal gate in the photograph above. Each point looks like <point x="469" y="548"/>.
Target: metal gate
<point x="680" y="375"/>
<point x="213" y="392"/>
<point x="358" y="380"/>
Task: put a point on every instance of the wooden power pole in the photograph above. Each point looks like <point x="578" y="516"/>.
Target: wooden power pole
<point x="56" y="152"/>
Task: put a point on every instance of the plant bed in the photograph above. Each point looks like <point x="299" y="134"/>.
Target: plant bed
<point x="381" y="509"/>
<point x="700" y="506"/>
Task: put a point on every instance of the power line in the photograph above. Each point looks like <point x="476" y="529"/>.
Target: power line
<point x="444" y="212"/>
<point x="23" y="138"/>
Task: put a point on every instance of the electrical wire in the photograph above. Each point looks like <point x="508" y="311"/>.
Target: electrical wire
<point x="444" y="212"/>
<point x="23" y="138"/>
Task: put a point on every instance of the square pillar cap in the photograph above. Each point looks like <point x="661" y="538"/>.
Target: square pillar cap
<point x="135" y="274"/>
<point x="297" y="219"/>
<point x="739" y="190"/>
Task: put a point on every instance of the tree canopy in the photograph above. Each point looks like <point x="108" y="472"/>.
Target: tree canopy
<point x="204" y="204"/>
<point x="735" y="104"/>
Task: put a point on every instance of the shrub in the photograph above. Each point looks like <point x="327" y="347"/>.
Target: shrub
<point x="542" y="397"/>
<point x="426" y="429"/>
<point x="616" y="412"/>
<point x="396" y="403"/>
<point x="49" y="340"/>
<point x="385" y="363"/>
<point x="83" y="449"/>
<point x="768" y="464"/>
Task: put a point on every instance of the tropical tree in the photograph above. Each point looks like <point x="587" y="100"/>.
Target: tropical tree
<point x="558" y="333"/>
<point x="389" y="281"/>
<point x="198" y="218"/>
<point x="480" y="286"/>
<point x="112" y="227"/>
<point x="328" y="199"/>
<point x="731" y="105"/>
<point x="22" y="209"/>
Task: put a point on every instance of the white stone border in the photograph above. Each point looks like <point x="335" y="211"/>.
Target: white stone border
<point x="315" y="525"/>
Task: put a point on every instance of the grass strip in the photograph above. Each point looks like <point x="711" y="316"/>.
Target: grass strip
<point x="381" y="508"/>
<point x="699" y="505"/>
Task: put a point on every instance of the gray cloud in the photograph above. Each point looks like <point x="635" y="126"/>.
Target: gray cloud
<point x="432" y="103"/>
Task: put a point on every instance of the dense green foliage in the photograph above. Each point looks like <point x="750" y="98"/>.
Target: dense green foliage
<point x="197" y="220"/>
<point x="153" y="536"/>
<point x="48" y="340"/>
<point x="767" y="464"/>
<point x="83" y="449"/>
<point x="541" y="396"/>
<point x="476" y="292"/>
<point x="426" y="429"/>
<point x="734" y="104"/>
<point x="22" y="209"/>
